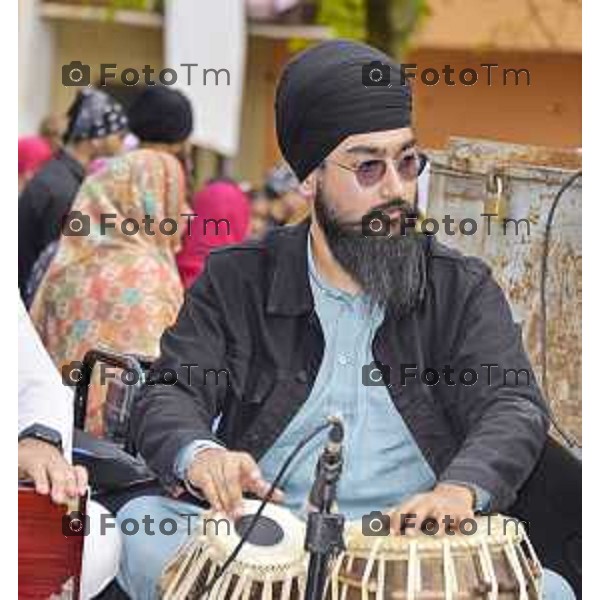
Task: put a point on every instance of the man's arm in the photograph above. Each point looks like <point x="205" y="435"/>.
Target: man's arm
<point x="168" y="418"/>
<point x="505" y="420"/>
<point x="44" y="401"/>
<point x="172" y="424"/>
<point x="503" y="414"/>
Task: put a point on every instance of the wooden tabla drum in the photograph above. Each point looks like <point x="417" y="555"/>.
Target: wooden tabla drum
<point x="271" y="565"/>
<point x="496" y="561"/>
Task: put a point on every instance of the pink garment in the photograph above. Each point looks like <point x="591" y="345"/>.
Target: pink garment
<point x="34" y="151"/>
<point x="224" y="202"/>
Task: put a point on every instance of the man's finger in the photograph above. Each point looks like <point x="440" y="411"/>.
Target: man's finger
<point x="252" y="479"/>
<point x="58" y="475"/>
<point x="233" y="491"/>
<point x="209" y="490"/>
<point x="261" y="489"/>
<point x="40" y="479"/>
<point x="409" y="517"/>
<point x="215" y="471"/>
<point x="249" y="470"/>
<point x="425" y="510"/>
<point x="461" y="517"/>
<point x="70" y="482"/>
<point x="405" y="510"/>
<point x="81" y="478"/>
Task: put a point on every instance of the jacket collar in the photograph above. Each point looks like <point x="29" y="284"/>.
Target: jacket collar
<point x="289" y="292"/>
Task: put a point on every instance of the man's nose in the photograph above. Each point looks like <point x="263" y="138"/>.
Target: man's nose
<point x="393" y="186"/>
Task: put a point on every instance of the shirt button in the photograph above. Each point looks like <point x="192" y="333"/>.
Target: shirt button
<point x="343" y="359"/>
<point x="302" y="376"/>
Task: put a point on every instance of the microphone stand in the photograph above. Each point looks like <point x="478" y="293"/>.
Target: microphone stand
<point x="324" y="530"/>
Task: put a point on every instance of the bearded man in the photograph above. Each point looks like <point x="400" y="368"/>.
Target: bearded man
<point x="323" y="319"/>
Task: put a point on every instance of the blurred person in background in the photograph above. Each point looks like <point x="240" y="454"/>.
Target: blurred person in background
<point x="283" y="189"/>
<point x="34" y="151"/>
<point x="163" y="119"/>
<point x="223" y="211"/>
<point x="52" y="129"/>
<point x="96" y="127"/>
<point x="115" y="287"/>
<point x="260" y="215"/>
<point x="130" y="143"/>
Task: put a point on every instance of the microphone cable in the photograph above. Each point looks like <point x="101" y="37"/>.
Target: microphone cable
<point x="569" y="439"/>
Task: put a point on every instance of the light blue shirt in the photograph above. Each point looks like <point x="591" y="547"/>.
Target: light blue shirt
<point x="382" y="463"/>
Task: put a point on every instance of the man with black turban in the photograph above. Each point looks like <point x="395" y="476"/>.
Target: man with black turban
<point x="331" y="318"/>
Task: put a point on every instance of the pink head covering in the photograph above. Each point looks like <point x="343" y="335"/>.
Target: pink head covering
<point x="223" y="217"/>
<point x="34" y="151"/>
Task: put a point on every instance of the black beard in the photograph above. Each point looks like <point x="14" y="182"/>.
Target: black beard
<point x="392" y="271"/>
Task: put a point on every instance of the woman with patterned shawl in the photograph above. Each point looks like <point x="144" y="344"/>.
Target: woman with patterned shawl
<point x="108" y="287"/>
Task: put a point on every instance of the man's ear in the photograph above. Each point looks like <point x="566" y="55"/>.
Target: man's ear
<point x="308" y="188"/>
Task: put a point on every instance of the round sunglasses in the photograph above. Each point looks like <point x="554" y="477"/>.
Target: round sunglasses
<point x="370" y="172"/>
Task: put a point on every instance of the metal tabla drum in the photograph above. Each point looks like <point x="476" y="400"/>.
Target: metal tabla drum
<point x="271" y="565"/>
<point x="495" y="561"/>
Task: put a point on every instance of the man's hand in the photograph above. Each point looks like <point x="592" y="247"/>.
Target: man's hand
<point x="454" y="503"/>
<point x="223" y="475"/>
<point x="50" y="472"/>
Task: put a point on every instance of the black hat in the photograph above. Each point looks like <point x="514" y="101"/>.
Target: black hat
<point x="161" y="114"/>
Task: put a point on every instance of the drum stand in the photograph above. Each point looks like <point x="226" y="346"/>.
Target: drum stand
<point x="324" y="530"/>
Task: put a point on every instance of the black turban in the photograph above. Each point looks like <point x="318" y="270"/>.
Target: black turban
<point x="321" y="99"/>
<point x="160" y="114"/>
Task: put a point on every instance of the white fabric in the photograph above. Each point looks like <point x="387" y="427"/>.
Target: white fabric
<point x="36" y="66"/>
<point x="268" y="9"/>
<point x="42" y="396"/>
<point x="44" y="399"/>
<point x="213" y="36"/>
<point x="101" y="552"/>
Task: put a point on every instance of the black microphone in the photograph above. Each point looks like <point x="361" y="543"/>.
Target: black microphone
<point x="324" y="530"/>
<point x="328" y="466"/>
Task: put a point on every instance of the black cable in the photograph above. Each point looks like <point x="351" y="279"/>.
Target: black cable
<point x="543" y="301"/>
<point x="207" y="587"/>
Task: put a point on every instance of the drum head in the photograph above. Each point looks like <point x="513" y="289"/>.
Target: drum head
<point x="277" y="539"/>
<point x="494" y="529"/>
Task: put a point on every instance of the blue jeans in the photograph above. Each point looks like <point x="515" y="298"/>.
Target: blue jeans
<point x="146" y="552"/>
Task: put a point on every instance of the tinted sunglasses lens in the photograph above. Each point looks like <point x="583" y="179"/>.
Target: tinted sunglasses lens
<point x="370" y="172"/>
<point x="409" y="167"/>
<point x="423" y="160"/>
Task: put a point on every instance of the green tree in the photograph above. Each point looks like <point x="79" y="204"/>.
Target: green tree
<point x="391" y="23"/>
<point x="385" y="24"/>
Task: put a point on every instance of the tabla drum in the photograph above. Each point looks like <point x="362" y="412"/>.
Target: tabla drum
<point x="271" y="565"/>
<point x="495" y="561"/>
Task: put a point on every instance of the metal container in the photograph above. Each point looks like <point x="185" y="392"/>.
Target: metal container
<point x="519" y="184"/>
